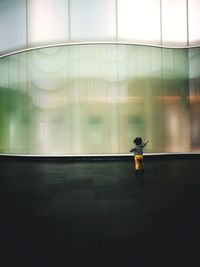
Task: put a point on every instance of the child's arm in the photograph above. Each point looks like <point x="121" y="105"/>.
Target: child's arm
<point x="145" y="143"/>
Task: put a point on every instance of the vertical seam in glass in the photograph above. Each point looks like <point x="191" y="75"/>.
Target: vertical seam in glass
<point x="150" y="81"/>
<point x="70" y="97"/>
<point x="27" y="105"/>
<point x="188" y="102"/>
<point x="187" y="18"/>
<point x="118" y="95"/>
<point x="161" y="37"/>
<point x="116" y="19"/>
<point x="27" y="24"/>
<point x="27" y="82"/>
<point x="69" y="33"/>
<point x="162" y="89"/>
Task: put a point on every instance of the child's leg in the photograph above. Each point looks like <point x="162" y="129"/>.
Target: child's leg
<point x="142" y="166"/>
<point x="137" y="164"/>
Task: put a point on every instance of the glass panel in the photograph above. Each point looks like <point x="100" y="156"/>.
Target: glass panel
<point x="47" y="21"/>
<point x="48" y="109"/>
<point x="140" y="108"/>
<point x="194" y="22"/>
<point x="175" y="98"/>
<point x="13" y="104"/>
<point x="194" y="83"/>
<point x="94" y="114"/>
<point x="12" y="25"/>
<point x="174" y="22"/>
<point x="139" y="21"/>
<point x="86" y="99"/>
<point x="92" y="20"/>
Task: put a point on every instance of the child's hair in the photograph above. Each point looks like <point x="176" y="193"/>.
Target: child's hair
<point x="137" y="141"/>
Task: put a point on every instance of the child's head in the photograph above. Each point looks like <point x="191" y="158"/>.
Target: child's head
<point x="138" y="141"/>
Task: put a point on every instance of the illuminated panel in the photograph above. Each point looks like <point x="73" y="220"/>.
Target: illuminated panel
<point x="86" y="99"/>
<point x="48" y="108"/>
<point x="194" y="83"/>
<point x="139" y="21"/>
<point x="175" y="100"/>
<point x="47" y="21"/>
<point x="94" y="99"/>
<point x="194" y="22"/>
<point x="174" y="22"/>
<point x="140" y="88"/>
<point x="13" y="104"/>
<point x="12" y="25"/>
<point x="92" y="20"/>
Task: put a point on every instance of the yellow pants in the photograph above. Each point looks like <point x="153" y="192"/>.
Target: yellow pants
<point x="139" y="163"/>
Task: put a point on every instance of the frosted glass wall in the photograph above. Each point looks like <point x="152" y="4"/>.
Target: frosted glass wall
<point x="13" y="104"/>
<point x="86" y="99"/>
<point x="33" y="23"/>
<point x="176" y="101"/>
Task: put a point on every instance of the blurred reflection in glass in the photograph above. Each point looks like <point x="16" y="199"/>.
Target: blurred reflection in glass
<point x="194" y="83"/>
<point x="86" y="99"/>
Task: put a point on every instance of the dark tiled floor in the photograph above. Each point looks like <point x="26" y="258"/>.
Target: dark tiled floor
<point x="95" y="213"/>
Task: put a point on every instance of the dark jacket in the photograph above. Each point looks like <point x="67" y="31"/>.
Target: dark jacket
<point x="138" y="150"/>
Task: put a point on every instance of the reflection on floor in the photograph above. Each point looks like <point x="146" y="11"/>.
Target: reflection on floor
<point x="96" y="213"/>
